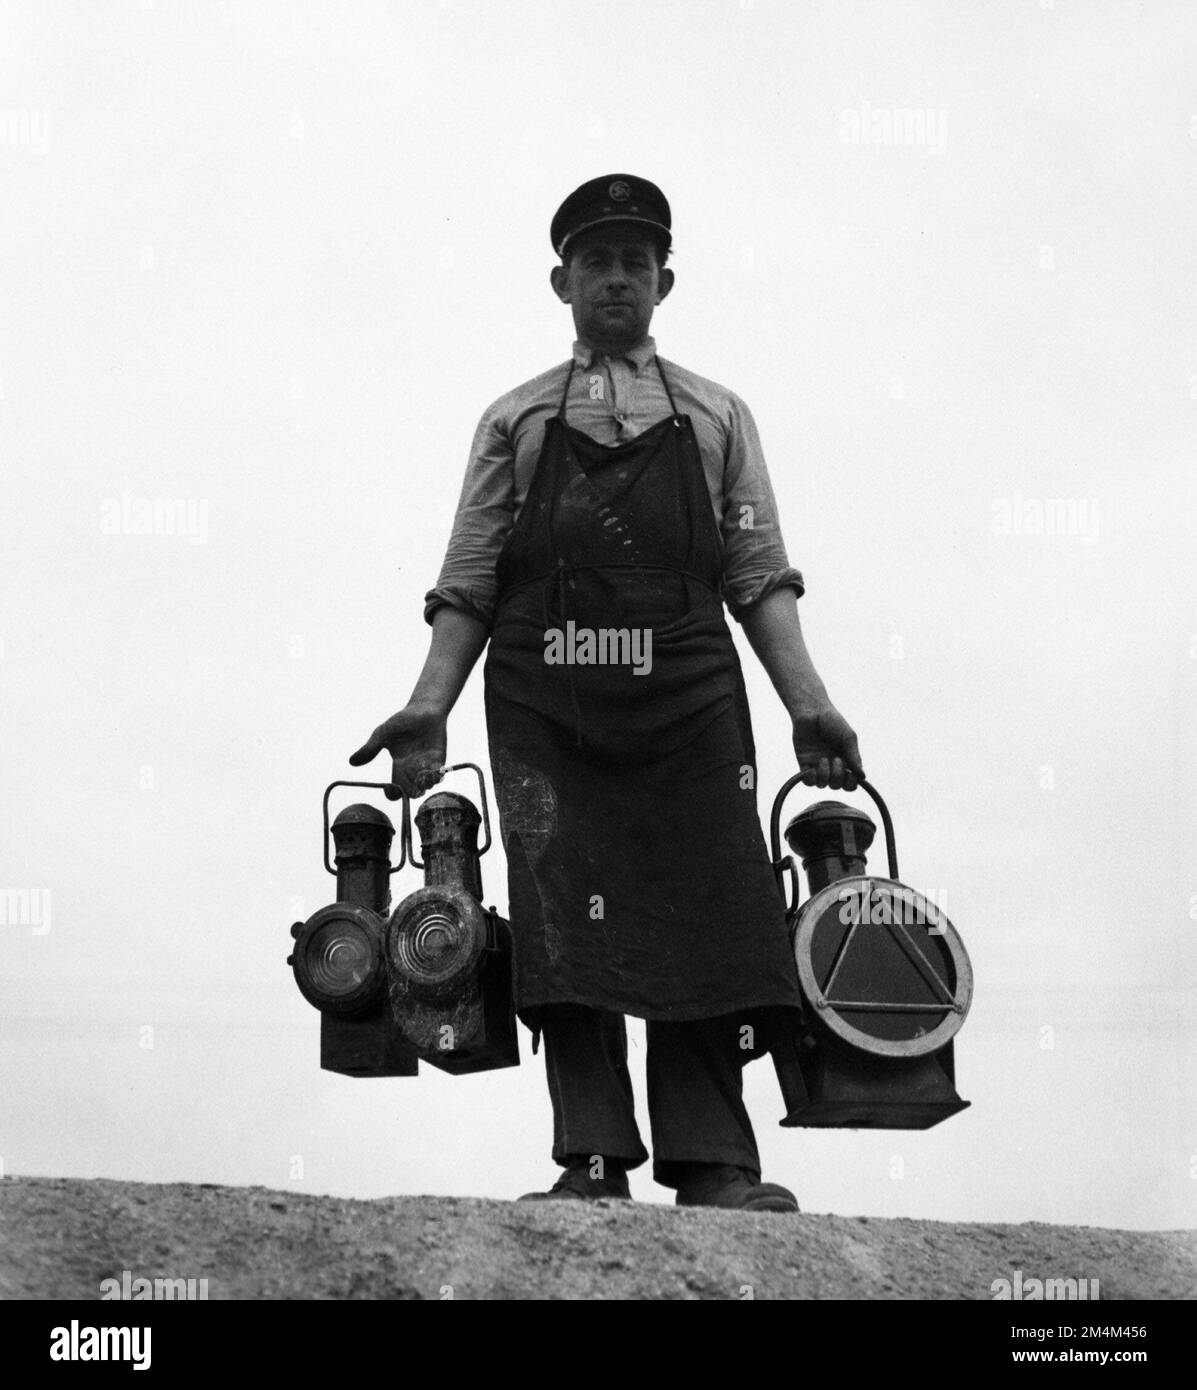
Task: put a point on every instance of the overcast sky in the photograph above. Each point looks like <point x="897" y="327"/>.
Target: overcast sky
<point x="271" y="261"/>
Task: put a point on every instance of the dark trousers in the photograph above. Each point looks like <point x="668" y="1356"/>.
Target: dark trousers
<point x="695" y="1101"/>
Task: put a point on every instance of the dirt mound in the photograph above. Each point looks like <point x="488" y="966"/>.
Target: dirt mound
<point x="62" y="1238"/>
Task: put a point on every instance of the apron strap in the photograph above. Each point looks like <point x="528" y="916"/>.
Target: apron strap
<point x="665" y="384"/>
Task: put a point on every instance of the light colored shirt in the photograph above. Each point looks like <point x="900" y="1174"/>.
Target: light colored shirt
<point x="614" y="399"/>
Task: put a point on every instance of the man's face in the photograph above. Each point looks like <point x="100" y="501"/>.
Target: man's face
<point x="612" y="282"/>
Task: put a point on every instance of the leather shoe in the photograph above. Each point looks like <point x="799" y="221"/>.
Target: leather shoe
<point x="576" y="1184"/>
<point x="738" y="1189"/>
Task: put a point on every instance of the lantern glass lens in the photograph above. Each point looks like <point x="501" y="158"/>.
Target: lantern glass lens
<point x="880" y="958"/>
<point x="435" y="939"/>
<point x="339" y="958"/>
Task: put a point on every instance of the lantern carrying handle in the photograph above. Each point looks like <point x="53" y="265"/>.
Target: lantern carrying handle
<point x="782" y="864"/>
<point x="379" y="786"/>
<point x="409" y="847"/>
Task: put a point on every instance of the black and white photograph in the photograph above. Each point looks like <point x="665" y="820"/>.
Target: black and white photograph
<point x="599" y="663"/>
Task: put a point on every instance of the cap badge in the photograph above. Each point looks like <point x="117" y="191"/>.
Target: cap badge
<point x="619" y="192"/>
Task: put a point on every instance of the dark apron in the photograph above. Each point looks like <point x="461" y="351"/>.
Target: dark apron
<point x="638" y="875"/>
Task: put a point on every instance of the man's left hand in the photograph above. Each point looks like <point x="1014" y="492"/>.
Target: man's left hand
<point x="828" y="753"/>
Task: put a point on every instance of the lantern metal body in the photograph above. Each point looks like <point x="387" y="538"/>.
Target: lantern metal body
<point x="338" y="955"/>
<point x="885" y="981"/>
<point x="450" y="960"/>
<point x="433" y="981"/>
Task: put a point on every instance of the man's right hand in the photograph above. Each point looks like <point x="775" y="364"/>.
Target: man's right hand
<point x="416" y="739"/>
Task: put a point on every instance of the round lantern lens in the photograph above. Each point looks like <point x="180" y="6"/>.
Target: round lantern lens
<point x="338" y="962"/>
<point x="435" y="939"/>
<point x="339" y="958"/>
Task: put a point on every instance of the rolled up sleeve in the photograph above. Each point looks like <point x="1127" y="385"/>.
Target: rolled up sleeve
<point x="481" y="525"/>
<point x="755" y="562"/>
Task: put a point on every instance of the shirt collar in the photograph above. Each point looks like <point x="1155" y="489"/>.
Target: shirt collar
<point x="639" y="356"/>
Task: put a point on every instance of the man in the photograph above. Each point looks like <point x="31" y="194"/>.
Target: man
<point x="611" y="507"/>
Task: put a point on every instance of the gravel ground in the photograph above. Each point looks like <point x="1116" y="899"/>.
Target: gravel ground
<point x="60" y="1237"/>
